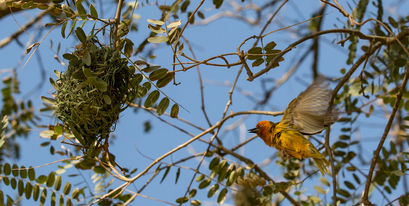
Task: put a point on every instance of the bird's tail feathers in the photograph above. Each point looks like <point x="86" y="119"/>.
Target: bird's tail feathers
<point x="322" y="164"/>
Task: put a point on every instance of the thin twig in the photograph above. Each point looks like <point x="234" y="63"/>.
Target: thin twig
<point x="22" y="29"/>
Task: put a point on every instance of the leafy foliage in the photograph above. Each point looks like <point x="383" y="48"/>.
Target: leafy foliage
<point x="24" y="180"/>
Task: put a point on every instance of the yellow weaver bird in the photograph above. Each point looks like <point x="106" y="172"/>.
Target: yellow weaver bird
<point x="307" y="114"/>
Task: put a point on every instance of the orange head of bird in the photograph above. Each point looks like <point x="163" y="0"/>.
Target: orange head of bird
<point x="263" y="129"/>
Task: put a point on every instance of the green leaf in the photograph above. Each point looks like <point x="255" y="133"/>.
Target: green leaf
<point x="63" y="29"/>
<point x="23" y="172"/>
<point x="87" y="72"/>
<point x="10" y="201"/>
<point x="213" y="190"/>
<point x="48" y="100"/>
<point x="393" y="22"/>
<point x="50" y="179"/>
<point x="177" y="175"/>
<point x="86" y="58"/>
<point x="163" y="105"/>
<point x="320" y="190"/>
<point x="42" y="6"/>
<point x="270" y="46"/>
<point x="152" y="98"/>
<point x="67" y="188"/>
<point x="215" y="161"/>
<point x="42" y="179"/>
<point x="217" y="3"/>
<point x="107" y="99"/>
<point x="31" y="174"/>
<point x="164" y="80"/>
<point x="174" y="24"/>
<point x="93" y="11"/>
<point x="200" y="14"/>
<point x="61" y="200"/>
<point x="69" y="202"/>
<point x="174" y="111"/>
<point x="204" y="183"/>
<point x="339" y="145"/>
<point x="156" y="29"/>
<point x="3" y="124"/>
<point x="72" y="28"/>
<point x="222" y="196"/>
<point x="157" y="22"/>
<point x="158" y="39"/>
<point x="232" y="178"/>
<point x="254" y="50"/>
<point x="36" y="192"/>
<point x="13" y="183"/>
<point x="123" y="27"/>
<point x="81" y="35"/>
<point x="20" y="187"/>
<point x="344" y="137"/>
<point x="180" y="49"/>
<point x="149" y="69"/>
<point x="75" y="193"/>
<point x="128" y="49"/>
<point x="52" y="82"/>
<point x="27" y="5"/>
<point x="182" y="200"/>
<point x="76" y="134"/>
<point x="15" y="170"/>
<point x="398" y="173"/>
<point x="166" y="173"/>
<point x="325" y="181"/>
<point x="196" y="202"/>
<point x="314" y="199"/>
<point x="192" y="193"/>
<point x="47" y="133"/>
<point x="1" y="198"/>
<point x="184" y="6"/>
<point x="258" y="62"/>
<point x="158" y="74"/>
<point x="200" y="178"/>
<point x="43" y="197"/>
<point x="100" y="84"/>
<point x="81" y="10"/>
<point x="343" y="192"/>
<point x="349" y="185"/>
<point x="58" y="182"/>
<point x="29" y="190"/>
<point x="68" y="11"/>
<point x="53" y="199"/>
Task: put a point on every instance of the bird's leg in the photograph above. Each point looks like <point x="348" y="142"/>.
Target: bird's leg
<point x="284" y="154"/>
<point x="287" y="154"/>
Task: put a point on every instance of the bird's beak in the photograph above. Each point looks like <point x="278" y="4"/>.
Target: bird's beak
<point x="254" y="130"/>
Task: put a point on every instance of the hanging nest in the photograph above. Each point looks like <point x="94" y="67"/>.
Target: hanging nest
<point x="93" y="91"/>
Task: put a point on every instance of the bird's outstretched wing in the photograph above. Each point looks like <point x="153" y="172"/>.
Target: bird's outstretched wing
<point x="309" y="113"/>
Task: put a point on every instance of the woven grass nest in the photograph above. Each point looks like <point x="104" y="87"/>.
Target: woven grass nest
<point x="93" y="91"/>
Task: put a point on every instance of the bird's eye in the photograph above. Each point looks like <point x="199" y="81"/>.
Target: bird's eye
<point x="260" y="126"/>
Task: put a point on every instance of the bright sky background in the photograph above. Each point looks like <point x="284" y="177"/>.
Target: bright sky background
<point x="218" y="37"/>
